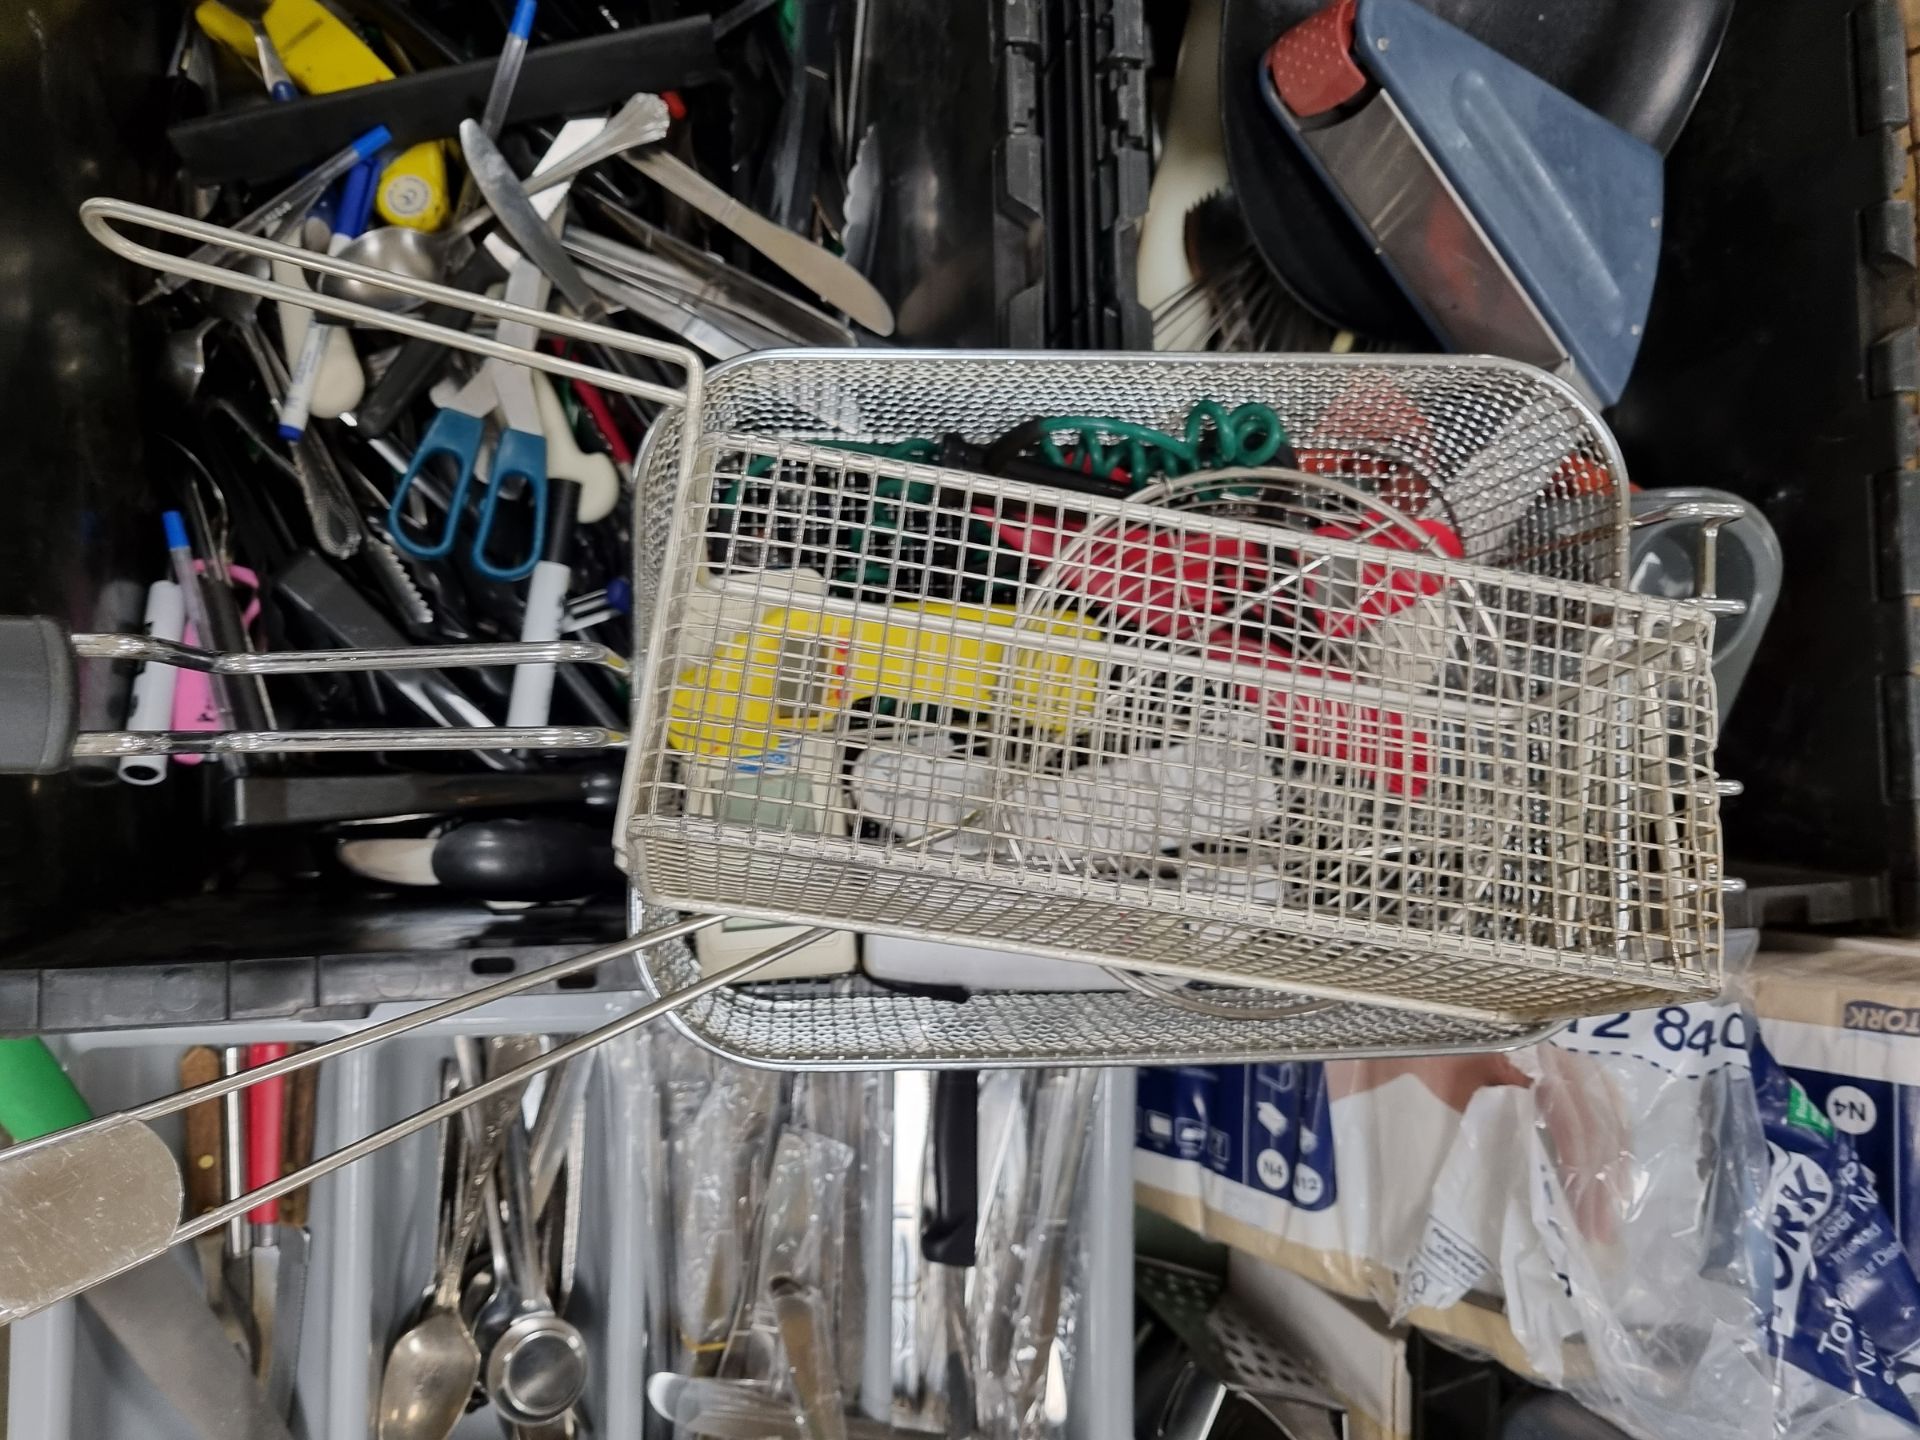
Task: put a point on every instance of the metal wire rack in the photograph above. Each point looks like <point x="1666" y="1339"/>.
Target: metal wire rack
<point x="1222" y="767"/>
<point x="1538" y="835"/>
<point x="1500" y="459"/>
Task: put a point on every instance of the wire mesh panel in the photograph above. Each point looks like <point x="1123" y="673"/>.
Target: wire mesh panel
<point x="1523" y="470"/>
<point x="1136" y="736"/>
<point x="850" y="1024"/>
<point x="1512" y="459"/>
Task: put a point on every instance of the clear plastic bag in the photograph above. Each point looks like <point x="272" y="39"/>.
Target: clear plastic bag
<point x="785" y="1335"/>
<point x="854" y="1108"/>
<point x="1019" y="1282"/>
<point x="719" y="1136"/>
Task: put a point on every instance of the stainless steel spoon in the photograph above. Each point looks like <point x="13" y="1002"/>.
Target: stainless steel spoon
<point x="184" y="360"/>
<point x="538" y="1368"/>
<point x="494" y="1312"/>
<point x="431" y="1369"/>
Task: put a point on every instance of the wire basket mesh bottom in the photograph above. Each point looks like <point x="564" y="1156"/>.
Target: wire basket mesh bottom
<point x="809" y="1026"/>
<point x="742" y="878"/>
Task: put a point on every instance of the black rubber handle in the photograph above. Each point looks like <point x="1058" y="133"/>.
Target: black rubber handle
<point x="39" y="696"/>
<point x="950" y="1221"/>
<point x="575" y="77"/>
<point x="526" y="858"/>
<point x="419" y="361"/>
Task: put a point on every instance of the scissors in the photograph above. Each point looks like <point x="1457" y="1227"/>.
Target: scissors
<point x="457" y="435"/>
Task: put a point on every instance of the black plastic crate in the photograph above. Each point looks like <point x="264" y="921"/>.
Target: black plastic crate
<point x="1013" y="142"/>
<point x="1780" y="363"/>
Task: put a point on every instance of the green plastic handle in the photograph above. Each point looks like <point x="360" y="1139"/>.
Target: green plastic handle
<point x="36" y="1097"/>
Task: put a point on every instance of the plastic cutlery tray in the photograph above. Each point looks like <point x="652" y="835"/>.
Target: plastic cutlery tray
<point x="372" y="1229"/>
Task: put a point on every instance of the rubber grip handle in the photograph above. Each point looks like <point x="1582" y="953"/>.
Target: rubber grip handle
<point x="419" y="361"/>
<point x="39" y="696"/>
<point x="1312" y="64"/>
<point x="266" y="1129"/>
<point x="950" y="1223"/>
<point x="36" y="1097"/>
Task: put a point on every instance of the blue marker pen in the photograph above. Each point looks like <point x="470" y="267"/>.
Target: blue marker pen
<point x="507" y="72"/>
<point x="356" y="206"/>
<point x="297" y="197"/>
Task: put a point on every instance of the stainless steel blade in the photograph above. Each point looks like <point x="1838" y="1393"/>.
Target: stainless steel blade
<point x="507" y="197"/>
<point x="289" y="1314"/>
<point x="166" y="1328"/>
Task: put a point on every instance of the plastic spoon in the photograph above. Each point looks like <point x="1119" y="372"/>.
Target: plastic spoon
<point x="338" y="381"/>
<point x="595" y="474"/>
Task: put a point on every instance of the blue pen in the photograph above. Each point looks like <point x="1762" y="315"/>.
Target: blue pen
<point x="507" y="72"/>
<point x="272" y="69"/>
<point x="294" y="200"/>
<point x="356" y="207"/>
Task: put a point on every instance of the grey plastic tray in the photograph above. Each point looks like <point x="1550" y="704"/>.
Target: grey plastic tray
<point x="372" y="1228"/>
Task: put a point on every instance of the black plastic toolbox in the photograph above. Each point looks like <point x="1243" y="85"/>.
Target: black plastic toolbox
<point x="109" y="914"/>
<point x="124" y="906"/>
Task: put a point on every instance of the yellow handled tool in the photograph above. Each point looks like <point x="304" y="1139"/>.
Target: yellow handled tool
<point x="322" y="54"/>
<point x="798" y="670"/>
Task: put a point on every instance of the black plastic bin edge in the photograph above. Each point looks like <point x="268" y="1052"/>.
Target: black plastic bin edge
<point x="1780" y="362"/>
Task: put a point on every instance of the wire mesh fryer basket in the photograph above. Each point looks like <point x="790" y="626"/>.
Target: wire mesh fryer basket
<point x="933" y="1043"/>
<point x="71" y="1187"/>
<point x="1521" y="472"/>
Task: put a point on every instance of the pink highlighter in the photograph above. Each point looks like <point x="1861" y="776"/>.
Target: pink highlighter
<point x="193" y="707"/>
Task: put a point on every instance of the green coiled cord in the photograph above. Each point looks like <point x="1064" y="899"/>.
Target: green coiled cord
<point x="1213" y="438"/>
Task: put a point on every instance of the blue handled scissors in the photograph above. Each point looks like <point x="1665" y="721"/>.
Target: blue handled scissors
<point x="456" y="437"/>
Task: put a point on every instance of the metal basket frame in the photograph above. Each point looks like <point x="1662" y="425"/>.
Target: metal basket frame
<point x="899" y="1030"/>
<point x="809" y="1025"/>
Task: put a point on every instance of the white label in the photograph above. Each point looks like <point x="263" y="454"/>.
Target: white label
<point x="1690" y="1041"/>
<point x="1851" y="1109"/>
